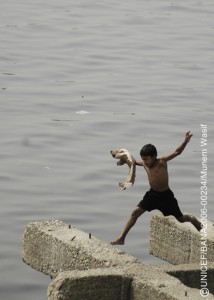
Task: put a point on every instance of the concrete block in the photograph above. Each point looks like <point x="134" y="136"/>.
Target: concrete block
<point x="94" y="284"/>
<point x="190" y="275"/>
<point x="137" y="282"/>
<point x="87" y="268"/>
<point x="178" y="243"/>
<point x="166" y="283"/>
<point x="52" y="247"/>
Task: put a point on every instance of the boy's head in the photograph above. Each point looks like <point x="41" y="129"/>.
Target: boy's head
<point x="148" y="150"/>
<point x="148" y="154"/>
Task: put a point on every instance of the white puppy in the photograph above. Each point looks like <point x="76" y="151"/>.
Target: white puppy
<point x="125" y="157"/>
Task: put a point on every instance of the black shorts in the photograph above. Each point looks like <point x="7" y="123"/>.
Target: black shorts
<point x="163" y="201"/>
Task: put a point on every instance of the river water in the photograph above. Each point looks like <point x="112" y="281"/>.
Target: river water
<point x="79" y="78"/>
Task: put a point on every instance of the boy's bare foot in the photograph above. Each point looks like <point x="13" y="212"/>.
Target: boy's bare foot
<point x="197" y="224"/>
<point x="117" y="242"/>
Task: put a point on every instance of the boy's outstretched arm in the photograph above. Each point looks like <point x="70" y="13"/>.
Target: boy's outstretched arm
<point x="180" y="149"/>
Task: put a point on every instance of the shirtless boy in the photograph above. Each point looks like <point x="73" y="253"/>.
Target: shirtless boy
<point x="159" y="196"/>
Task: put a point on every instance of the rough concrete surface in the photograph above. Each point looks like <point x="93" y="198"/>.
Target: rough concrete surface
<point x="190" y="274"/>
<point x="94" y="284"/>
<point x="87" y="268"/>
<point x="52" y="247"/>
<point x="156" y="282"/>
<point x="178" y="243"/>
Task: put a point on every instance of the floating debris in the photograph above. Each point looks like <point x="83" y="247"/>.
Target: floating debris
<point x="82" y="112"/>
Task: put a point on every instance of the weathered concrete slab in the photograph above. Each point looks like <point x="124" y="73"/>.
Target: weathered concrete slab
<point x="178" y="243"/>
<point x="52" y="247"/>
<point x="94" y="284"/>
<point x="137" y="282"/>
<point x="86" y="268"/>
<point x="190" y="275"/>
<point x="166" y="282"/>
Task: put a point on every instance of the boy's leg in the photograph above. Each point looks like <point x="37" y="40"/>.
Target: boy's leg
<point x="132" y="220"/>
<point x="192" y="219"/>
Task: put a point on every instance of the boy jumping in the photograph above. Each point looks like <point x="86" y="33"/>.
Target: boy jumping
<point x="159" y="196"/>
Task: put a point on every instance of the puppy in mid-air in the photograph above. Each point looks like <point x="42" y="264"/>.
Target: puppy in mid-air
<point x="125" y="157"/>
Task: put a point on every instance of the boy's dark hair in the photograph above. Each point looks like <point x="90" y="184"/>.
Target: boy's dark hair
<point x="148" y="150"/>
